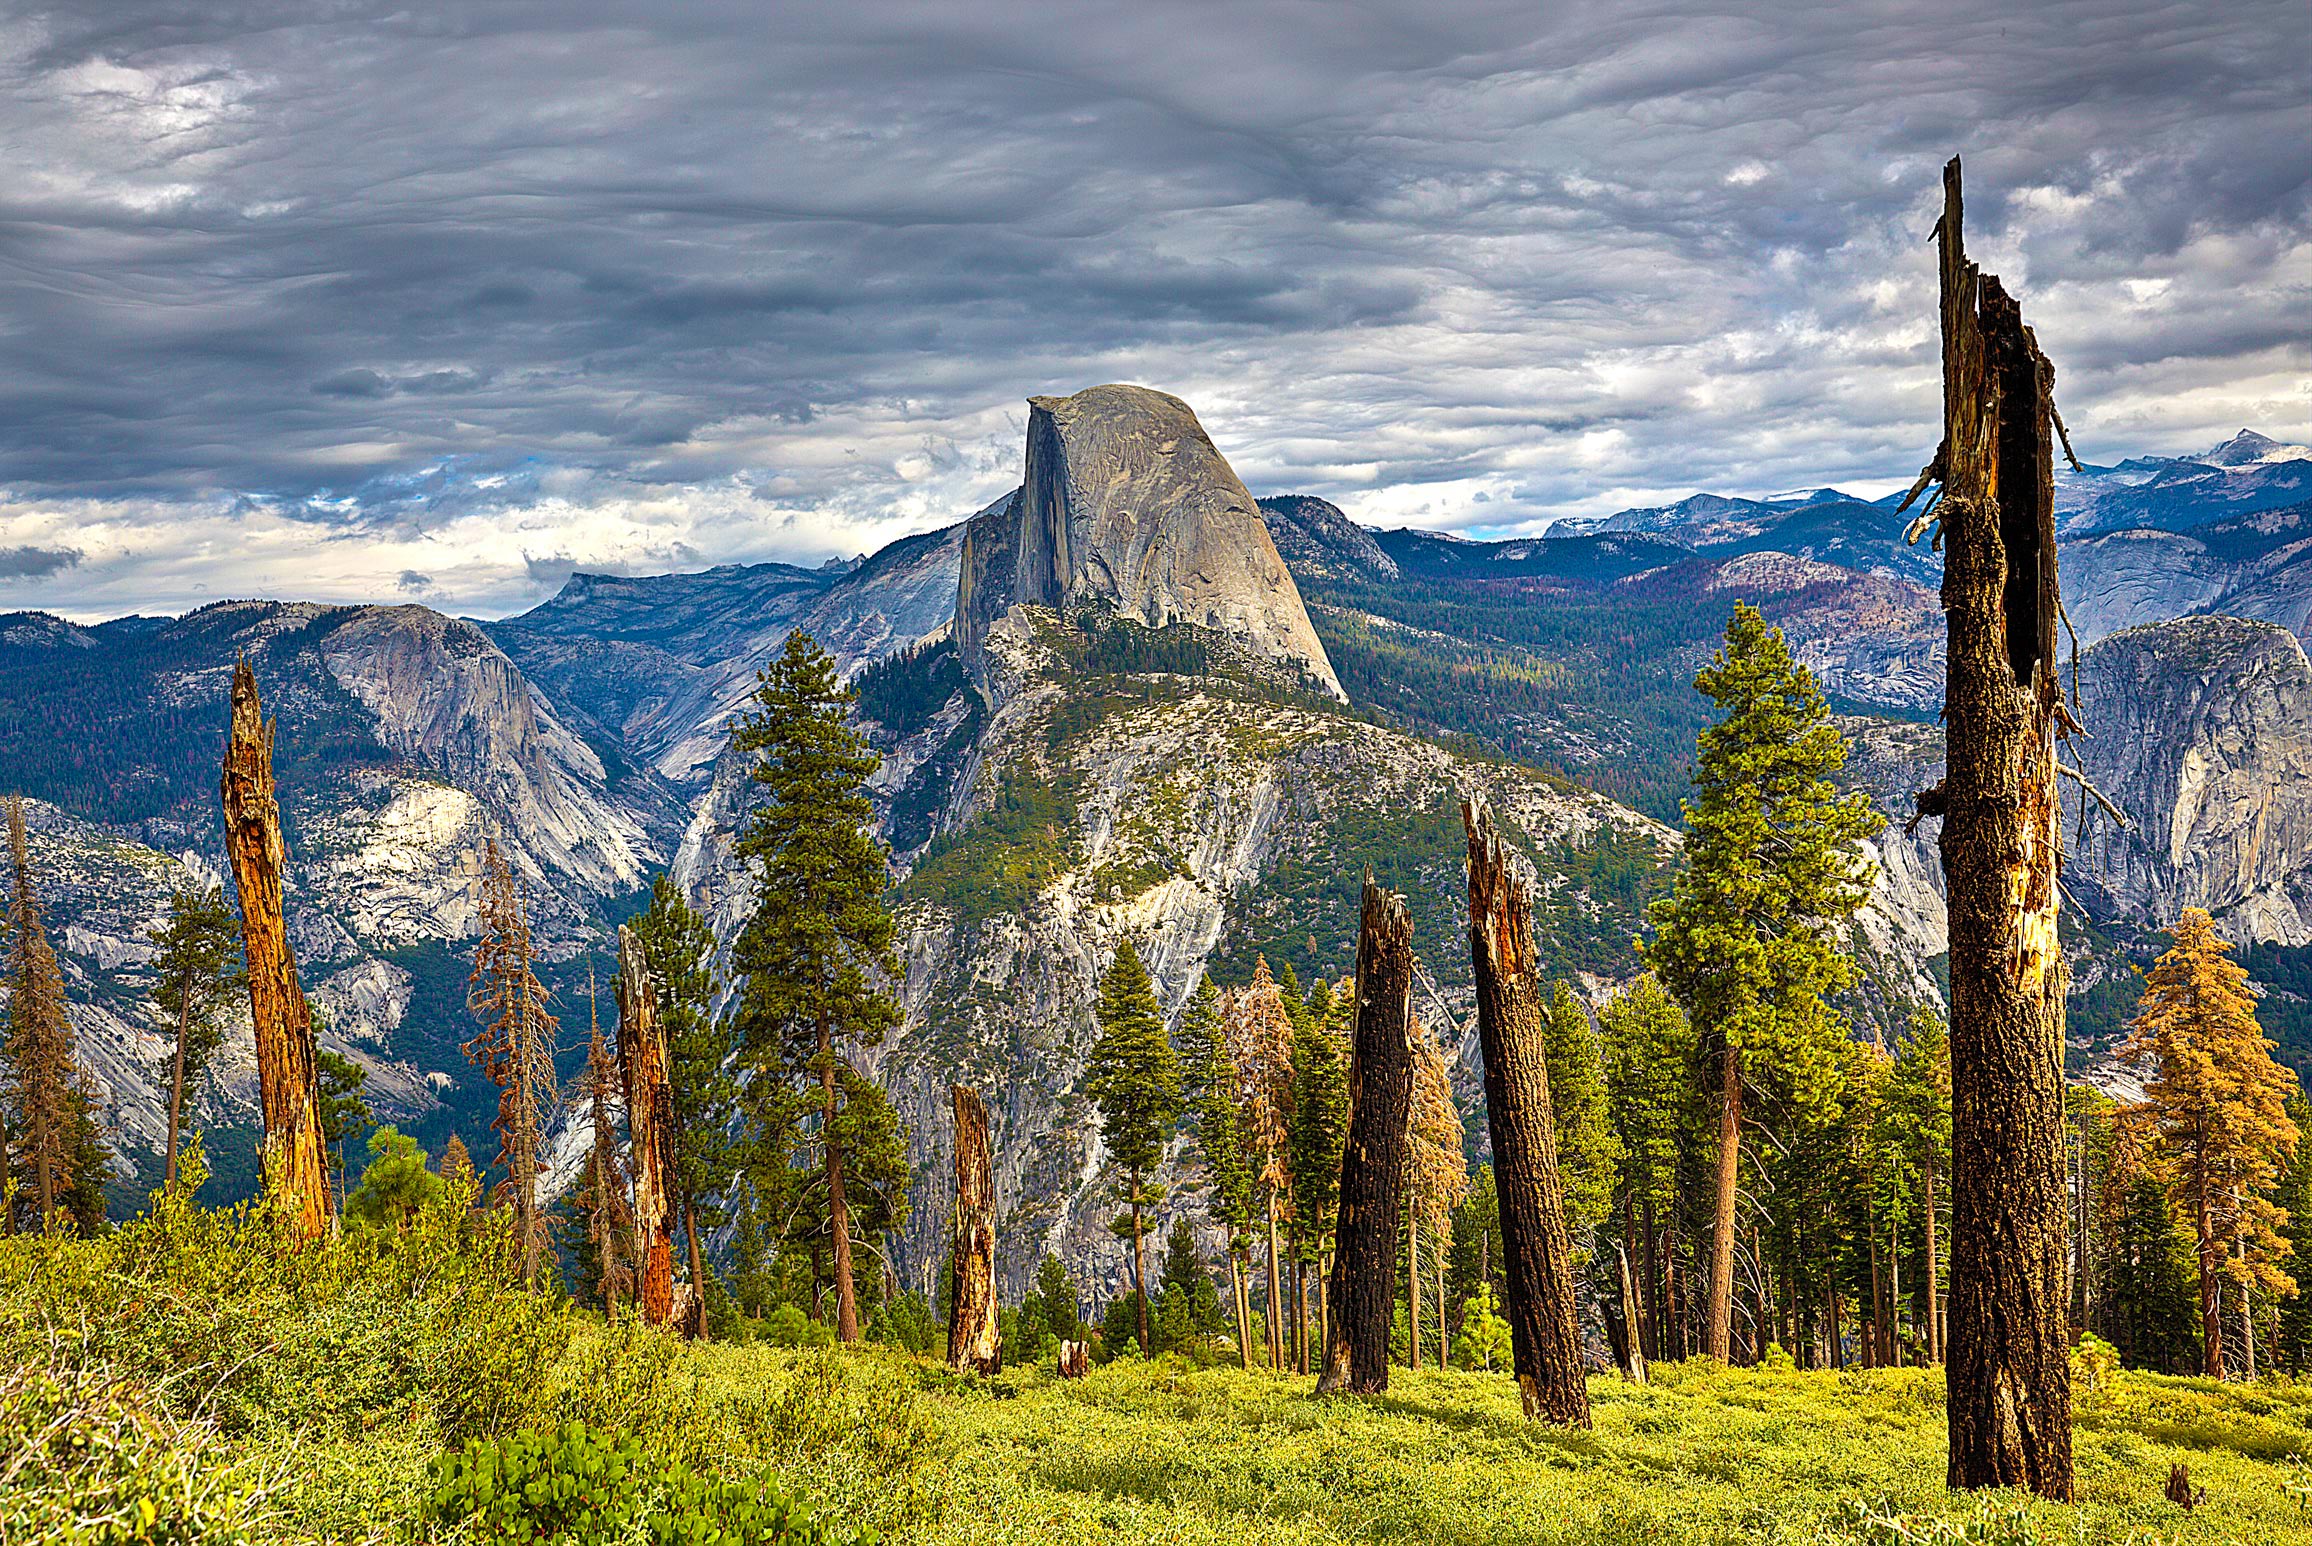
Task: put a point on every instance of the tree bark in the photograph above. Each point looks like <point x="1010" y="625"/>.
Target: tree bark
<point x="2009" y="1383"/>
<point x="1363" y="1288"/>
<point x="974" y="1339"/>
<point x="1444" y="1337"/>
<point x="1140" y="1269"/>
<point x="288" y="1078"/>
<point x="1633" y="1352"/>
<point x="2211" y="1301"/>
<point x="1719" y="1333"/>
<point x="649" y="1126"/>
<point x="1241" y="1299"/>
<point x="1535" y="1256"/>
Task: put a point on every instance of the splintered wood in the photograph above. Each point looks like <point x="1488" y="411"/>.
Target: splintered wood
<point x="2009" y="1386"/>
<point x="288" y="1076"/>
<point x="1535" y="1259"/>
<point x="974" y="1341"/>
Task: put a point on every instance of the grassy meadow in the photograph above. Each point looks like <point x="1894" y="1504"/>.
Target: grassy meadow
<point x="182" y="1379"/>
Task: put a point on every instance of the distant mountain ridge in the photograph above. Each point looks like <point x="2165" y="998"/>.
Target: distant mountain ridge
<point x="1124" y="765"/>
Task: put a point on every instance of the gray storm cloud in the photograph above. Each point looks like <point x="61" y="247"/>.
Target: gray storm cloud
<point x="311" y="300"/>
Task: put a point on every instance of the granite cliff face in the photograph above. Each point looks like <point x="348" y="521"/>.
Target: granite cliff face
<point x="2201" y="731"/>
<point x="1126" y="504"/>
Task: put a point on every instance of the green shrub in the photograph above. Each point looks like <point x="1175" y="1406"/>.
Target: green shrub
<point x="567" y="1484"/>
<point x="87" y="1460"/>
<point x="576" y="1486"/>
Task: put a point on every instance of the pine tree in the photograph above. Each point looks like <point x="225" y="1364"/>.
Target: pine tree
<point x="2220" y="1103"/>
<point x="340" y="1107"/>
<point x="1212" y="1089"/>
<point x="515" y="1048"/>
<point x="395" y="1186"/>
<point x="1187" y="1306"/>
<point x="1438" y="1182"/>
<point x="817" y="957"/>
<point x="1647" y="1054"/>
<point x="2149" y="1312"/>
<point x="679" y="948"/>
<point x="1133" y="1076"/>
<point x="44" y="1076"/>
<point x="2293" y="1196"/>
<point x="196" y="972"/>
<point x="1318" y="1130"/>
<point x="1916" y="1126"/>
<point x="1748" y="941"/>
<point x="1589" y="1151"/>
<point x="457" y="1166"/>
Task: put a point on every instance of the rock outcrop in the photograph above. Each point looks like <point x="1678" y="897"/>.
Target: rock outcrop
<point x="1126" y="502"/>
<point x="2201" y="731"/>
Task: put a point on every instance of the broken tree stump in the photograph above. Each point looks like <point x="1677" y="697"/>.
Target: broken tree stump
<point x="649" y="1126"/>
<point x="2180" y="1489"/>
<point x="1075" y="1360"/>
<point x="1535" y="1256"/>
<point x="1362" y="1295"/>
<point x="2009" y="1386"/>
<point x="288" y="1067"/>
<point x="974" y="1340"/>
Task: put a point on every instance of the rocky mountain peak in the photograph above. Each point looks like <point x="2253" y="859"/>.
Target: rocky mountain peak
<point x="1125" y="501"/>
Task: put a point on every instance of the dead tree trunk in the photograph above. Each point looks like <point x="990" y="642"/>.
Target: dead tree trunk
<point x="974" y="1342"/>
<point x="649" y="1126"/>
<point x="2009" y="1382"/>
<point x="1535" y="1258"/>
<point x="1363" y="1291"/>
<point x="1633" y="1354"/>
<point x="288" y="1080"/>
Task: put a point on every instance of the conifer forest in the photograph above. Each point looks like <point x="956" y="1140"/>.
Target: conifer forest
<point x="1154" y="1015"/>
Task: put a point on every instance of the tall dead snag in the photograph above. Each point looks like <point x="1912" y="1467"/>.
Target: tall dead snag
<point x="1535" y="1257"/>
<point x="2009" y="1380"/>
<point x="974" y="1341"/>
<point x="1362" y="1295"/>
<point x="515" y="1048"/>
<point x="609" y="1221"/>
<point x="649" y="1126"/>
<point x="287" y="1066"/>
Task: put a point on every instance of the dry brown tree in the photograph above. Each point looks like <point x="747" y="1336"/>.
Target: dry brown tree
<point x="2009" y="1382"/>
<point x="288" y="1064"/>
<point x="515" y="1047"/>
<point x="40" y="1051"/>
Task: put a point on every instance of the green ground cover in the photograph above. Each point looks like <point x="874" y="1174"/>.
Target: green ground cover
<point x="180" y="1379"/>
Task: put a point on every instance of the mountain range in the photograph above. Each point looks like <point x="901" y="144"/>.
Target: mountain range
<point x="1128" y="699"/>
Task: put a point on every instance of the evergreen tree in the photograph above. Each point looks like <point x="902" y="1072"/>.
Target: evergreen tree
<point x="679" y="948"/>
<point x="2220" y="1102"/>
<point x="49" y="1109"/>
<point x="1320" y="1121"/>
<point x="2148" y="1295"/>
<point x="817" y="957"/>
<point x="90" y="1161"/>
<point x="515" y="1048"/>
<point x="196" y="972"/>
<point x="1134" y="1078"/>
<point x="1748" y="941"/>
<point x="1187" y="1305"/>
<point x="1589" y="1151"/>
<point x="2292" y="1195"/>
<point x="1915" y="1118"/>
<point x="339" y="1104"/>
<point x="395" y="1186"/>
<point x="1647" y="1053"/>
<point x="1211" y="1088"/>
<point x="875" y="1177"/>
<point x="1439" y="1178"/>
<point x="457" y="1166"/>
<point x="1055" y="1301"/>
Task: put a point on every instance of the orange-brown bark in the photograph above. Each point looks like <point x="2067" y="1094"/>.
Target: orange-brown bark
<point x="287" y="1065"/>
<point x="974" y="1340"/>
<point x="650" y="1126"/>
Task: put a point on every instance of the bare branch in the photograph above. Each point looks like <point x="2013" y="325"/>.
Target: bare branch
<point x="2101" y="798"/>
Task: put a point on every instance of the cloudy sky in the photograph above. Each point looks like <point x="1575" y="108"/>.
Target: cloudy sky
<point x="359" y="302"/>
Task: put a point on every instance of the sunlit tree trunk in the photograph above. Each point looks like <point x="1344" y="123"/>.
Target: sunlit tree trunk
<point x="974" y="1339"/>
<point x="1362" y="1288"/>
